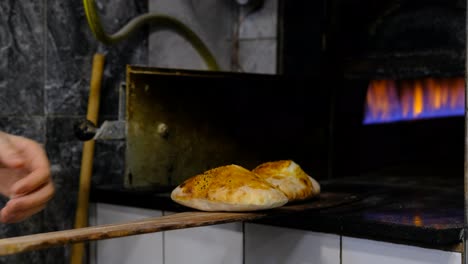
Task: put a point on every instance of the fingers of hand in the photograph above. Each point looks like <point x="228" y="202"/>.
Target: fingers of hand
<point x="19" y="208"/>
<point x="20" y="216"/>
<point x="8" y="178"/>
<point x="30" y="192"/>
<point x="10" y="155"/>
<point x="35" y="161"/>
<point x="32" y="152"/>
<point x="40" y="176"/>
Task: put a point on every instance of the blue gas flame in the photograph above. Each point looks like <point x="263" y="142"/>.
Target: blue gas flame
<point x="393" y="101"/>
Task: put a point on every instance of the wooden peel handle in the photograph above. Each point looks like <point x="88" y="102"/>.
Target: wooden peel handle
<point x="175" y="221"/>
<point x="15" y="245"/>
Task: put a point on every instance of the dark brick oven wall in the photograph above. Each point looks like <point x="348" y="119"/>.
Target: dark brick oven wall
<point x="46" y="54"/>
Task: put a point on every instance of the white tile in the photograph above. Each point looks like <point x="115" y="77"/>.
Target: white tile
<point x="260" y="24"/>
<point x="362" y="251"/>
<point x="276" y="245"/>
<point x="204" y="245"/>
<point x="141" y="249"/>
<point x="92" y="221"/>
<point x="210" y="20"/>
<point x="258" y="56"/>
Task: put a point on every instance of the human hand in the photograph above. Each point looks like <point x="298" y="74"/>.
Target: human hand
<point x="24" y="178"/>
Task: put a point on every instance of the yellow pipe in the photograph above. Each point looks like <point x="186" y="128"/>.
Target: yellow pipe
<point x="81" y="217"/>
<point x="166" y="21"/>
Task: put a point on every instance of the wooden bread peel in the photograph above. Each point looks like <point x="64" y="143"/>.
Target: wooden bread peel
<point x="181" y="220"/>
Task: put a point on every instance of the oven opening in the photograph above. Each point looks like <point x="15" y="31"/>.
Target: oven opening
<point x="400" y="107"/>
<point x="412" y="130"/>
<point x="401" y="130"/>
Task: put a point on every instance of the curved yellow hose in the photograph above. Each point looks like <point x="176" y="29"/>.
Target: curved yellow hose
<point x="162" y="20"/>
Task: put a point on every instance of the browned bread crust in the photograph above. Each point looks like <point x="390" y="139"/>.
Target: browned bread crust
<point x="289" y="177"/>
<point x="228" y="188"/>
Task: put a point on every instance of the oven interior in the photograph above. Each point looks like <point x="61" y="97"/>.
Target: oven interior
<point x="368" y="100"/>
<point x="183" y="122"/>
<point x="399" y="105"/>
<point x="371" y="92"/>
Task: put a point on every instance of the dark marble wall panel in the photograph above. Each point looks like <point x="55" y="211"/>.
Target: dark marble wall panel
<point x="21" y="57"/>
<point x="66" y="90"/>
<point x="33" y="127"/>
<point x="64" y="150"/>
<point x="70" y="50"/>
<point x="46" y="51"/>
<point x="70" y="47"/>
<point x="109" y="163"/>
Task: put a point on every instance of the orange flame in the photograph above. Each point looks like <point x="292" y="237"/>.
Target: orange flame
<point x="417" y="220"/>
<point x="390" y="100"/>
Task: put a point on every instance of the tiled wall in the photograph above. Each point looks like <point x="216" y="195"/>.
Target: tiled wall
<point x="249" y="243"/>
<point x="46" y="50"/>
<point x="240" y="40"/>
<point x="145" y="248"/>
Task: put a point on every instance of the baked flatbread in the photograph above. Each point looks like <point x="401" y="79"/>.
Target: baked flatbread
<point x="228" y="188"/>
<point x="289" y="177"/>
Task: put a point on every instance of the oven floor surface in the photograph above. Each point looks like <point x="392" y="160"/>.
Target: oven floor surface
<point x="410" y="211"/>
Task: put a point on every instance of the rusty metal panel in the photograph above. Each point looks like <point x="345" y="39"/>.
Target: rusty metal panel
<point x="183" y="122"/>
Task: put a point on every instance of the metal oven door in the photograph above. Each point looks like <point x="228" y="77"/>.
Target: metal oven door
<point x="181" y="122"/>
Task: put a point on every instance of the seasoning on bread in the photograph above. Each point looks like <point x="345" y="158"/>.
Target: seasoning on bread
<point x="289" y="177"/>
<point x="228" y="188"/>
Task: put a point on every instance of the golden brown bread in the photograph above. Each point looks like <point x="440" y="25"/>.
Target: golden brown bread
<point x="228" y="188"/>
<point x="289" y="177"/>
